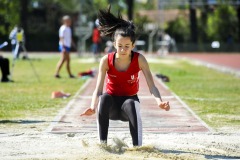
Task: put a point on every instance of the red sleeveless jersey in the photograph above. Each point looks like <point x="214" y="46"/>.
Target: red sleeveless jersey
<point x="124" y="83"/>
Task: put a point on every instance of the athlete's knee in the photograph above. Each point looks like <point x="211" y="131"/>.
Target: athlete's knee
<point x="130" y="106"/>
<point x="129" y="103"/>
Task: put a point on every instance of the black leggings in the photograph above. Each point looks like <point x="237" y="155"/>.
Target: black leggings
<point x="124" y="108"/>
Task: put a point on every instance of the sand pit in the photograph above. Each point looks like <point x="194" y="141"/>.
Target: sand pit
<point x="30" y="141"/>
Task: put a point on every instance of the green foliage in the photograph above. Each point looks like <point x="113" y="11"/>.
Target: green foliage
<point x="222" y="23"/>
<point x="67" y="6"/>
<point x="145" y="5"/>
<point x="9" y="15"/>
<point x="140" y="21"/>
<point x="100" y="4"/>
<point x="179" y="29"/>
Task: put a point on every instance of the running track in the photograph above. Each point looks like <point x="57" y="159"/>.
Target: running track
<point x="222" y="59"/>
<point x="180" y="119"/>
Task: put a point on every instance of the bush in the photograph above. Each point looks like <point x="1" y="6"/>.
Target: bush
<point x="179" y="29"/>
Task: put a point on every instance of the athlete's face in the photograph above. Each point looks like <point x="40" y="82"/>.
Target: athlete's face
<point x="68" y="22"/>
<point x="123" y="45"/>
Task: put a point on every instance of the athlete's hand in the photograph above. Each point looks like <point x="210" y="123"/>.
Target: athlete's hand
<point x="165" y="105"/>
<point x="88" y="112"/>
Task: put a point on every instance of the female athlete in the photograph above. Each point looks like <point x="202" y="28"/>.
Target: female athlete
<point x="120" y="101"/>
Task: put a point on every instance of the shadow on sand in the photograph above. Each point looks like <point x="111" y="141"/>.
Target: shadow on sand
<point x="26" y="121"/>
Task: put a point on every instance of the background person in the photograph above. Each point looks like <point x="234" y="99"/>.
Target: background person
<point x="109" y="47"/>
<point x="65" y="43"/>
<point x="120" y="102"/>
<point x="96" y="39"/>
<point x="4" y="65"/>
<point x="17" y="38"/>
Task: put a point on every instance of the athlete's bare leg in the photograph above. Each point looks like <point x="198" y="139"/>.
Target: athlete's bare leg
<point x="68" y="64"/>
<point x="61" y="62"/>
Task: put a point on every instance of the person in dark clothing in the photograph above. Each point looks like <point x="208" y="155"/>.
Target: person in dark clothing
<point x="4" y="65"/>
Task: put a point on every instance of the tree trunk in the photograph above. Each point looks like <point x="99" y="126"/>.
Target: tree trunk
<point x="130" y="4"/>
<point x="203" y="18"/>
<point x="238" y="15"/>
<point x="23" y="15"/>
<point x="193" y="22"/>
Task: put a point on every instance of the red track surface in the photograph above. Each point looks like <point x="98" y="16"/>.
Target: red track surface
<point x="227" y="60"/>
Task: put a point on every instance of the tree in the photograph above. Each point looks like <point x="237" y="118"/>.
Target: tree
<point x="9" y="15"/>
<point x="179" y="29"/>
<point x="130" y="4"/>
<point x="67" y="6"/>
<point x="24" y="14"/>
<point x="193" y="22"/>
<point x="223" y="23"/>
<point x="202" y="22"/>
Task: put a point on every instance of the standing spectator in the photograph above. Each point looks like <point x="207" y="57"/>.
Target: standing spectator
<point x="17" y="41"/>
<point x="65" y="43"/>
<point x="96" y="40"/>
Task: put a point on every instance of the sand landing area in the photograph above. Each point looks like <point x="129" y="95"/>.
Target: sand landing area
<point x="25" y="144"/>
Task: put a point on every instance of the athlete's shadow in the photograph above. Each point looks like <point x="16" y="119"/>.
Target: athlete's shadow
<point x="119" y="148"/>
<point x="26" y="121"/>
<point x="205" y="155"/>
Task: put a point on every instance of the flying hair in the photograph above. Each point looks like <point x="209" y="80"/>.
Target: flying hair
<point x="111" y="26"/>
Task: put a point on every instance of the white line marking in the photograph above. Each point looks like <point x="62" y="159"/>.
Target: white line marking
<point x="185" y="105"/>
<point x="221" y="68"/>
<point x="68" y="106"/>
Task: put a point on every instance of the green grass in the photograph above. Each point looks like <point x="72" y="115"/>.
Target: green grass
<point x="27" y="97"/>
<point x="212" y="95"/>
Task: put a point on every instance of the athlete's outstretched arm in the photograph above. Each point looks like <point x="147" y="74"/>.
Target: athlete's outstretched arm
<point x="103" y="67"/>
<point x="143" y="64"/>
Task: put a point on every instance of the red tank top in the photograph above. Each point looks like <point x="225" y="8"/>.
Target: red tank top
<point x="123" y="83"/>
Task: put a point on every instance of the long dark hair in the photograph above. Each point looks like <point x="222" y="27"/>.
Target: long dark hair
<point x="111" y="26"/>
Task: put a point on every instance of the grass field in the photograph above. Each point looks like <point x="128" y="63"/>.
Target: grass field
<point x="212" y="95"/>
<point x="27" y="97"/>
